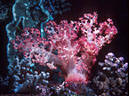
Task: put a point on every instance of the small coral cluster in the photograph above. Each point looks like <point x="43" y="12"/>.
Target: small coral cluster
<point x="61" y="90"/>
<point x="25" y="75"/>
<point x="112" y="77"/>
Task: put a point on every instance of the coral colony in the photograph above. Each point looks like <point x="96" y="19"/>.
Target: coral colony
<point x="75" y="54"/>
<point x="64" y="53"/>
<point x="113" y="74"/>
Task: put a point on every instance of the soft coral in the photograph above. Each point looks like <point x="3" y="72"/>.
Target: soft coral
<point x="76" y="53"/>
<point x="69" y="44"/>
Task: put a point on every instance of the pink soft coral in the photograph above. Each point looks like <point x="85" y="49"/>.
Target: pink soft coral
<point x="77" y="43"/>
<point x="78" y="53"/>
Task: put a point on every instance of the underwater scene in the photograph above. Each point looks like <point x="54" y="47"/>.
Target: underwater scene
<point x="64" y="48"/>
